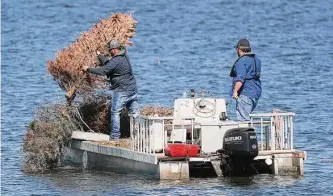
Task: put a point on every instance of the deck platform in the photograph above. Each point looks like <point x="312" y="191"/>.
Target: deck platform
<point x="102" y="155"/>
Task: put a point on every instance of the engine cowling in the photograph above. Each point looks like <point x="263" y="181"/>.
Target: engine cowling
<point x="241" y="142"/>
<point x="240" y="147"/>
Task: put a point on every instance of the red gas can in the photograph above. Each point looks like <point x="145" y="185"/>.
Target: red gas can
<point x="175" y="150"/>
<point x="193" y="150"/>
<point x="181" y="150"/>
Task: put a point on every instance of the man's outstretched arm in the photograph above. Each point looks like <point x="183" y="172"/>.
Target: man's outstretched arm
<point x="102" y="71"/>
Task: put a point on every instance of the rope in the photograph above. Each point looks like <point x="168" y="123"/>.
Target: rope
<point x="277" y="122"/>
<point x="83" y="120"/>
<point x="254" y="168"/>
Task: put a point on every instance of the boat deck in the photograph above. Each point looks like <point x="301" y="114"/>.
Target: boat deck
<point x="101" y="153"/>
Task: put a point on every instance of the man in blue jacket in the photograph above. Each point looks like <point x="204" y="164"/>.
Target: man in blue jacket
<point x="123" y="85"/>
<point x="246" y="85"/>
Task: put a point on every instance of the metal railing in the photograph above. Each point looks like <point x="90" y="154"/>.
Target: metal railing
<point x="151" y="134"/>
<point x="276" y="130"/>
<point x="140" y="135"/>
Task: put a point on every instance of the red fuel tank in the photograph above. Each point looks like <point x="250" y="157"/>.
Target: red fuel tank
<point x="181" y="150"/>
<point x="193" y="150"/>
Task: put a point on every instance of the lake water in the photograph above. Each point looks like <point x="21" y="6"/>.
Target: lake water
<point x="194" y="44"/>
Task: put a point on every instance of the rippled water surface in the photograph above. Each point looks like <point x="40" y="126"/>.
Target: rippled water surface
<point x="194" y="43"/>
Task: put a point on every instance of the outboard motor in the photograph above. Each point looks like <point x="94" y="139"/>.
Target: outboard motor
<point x="240" y="147"/>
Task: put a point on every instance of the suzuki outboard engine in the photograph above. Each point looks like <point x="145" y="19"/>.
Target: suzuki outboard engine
<point x="240" y="147"/>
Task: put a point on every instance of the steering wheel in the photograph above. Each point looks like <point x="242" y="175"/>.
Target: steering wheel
<point x="203" y="106"/>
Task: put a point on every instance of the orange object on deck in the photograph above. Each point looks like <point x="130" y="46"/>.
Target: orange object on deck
<point x="181" y="150"/>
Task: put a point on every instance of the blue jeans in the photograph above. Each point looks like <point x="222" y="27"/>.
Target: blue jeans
<point x="244" y="106"/>
<point x="128" y="99"/>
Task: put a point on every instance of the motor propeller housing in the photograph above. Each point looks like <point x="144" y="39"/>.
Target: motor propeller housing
<point x="240" y="147"/>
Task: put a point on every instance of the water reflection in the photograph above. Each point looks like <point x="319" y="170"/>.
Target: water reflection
<point x="83" y="181"/>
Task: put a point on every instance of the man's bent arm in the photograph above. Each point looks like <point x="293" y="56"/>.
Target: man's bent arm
<point x="237" y="86"/>
<point x="241" y="74"/>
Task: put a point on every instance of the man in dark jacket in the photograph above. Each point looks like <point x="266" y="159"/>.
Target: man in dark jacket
<point x="246" y="84"/>
<point x="123" y="85"/>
